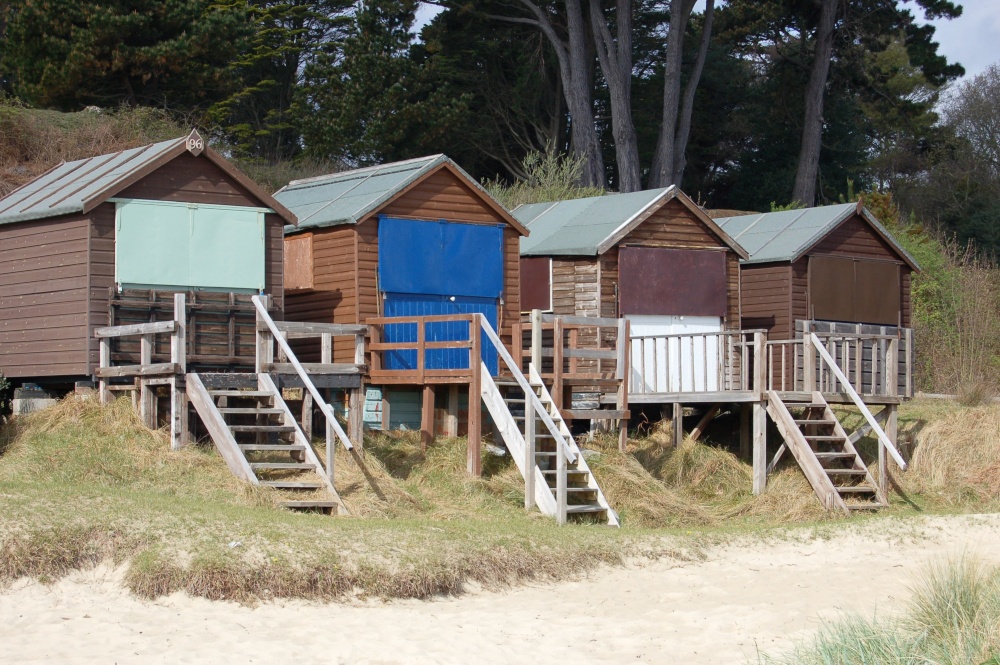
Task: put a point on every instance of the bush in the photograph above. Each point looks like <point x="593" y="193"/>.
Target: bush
<point x="4" y="395"/>
<point x="550" y="177"/>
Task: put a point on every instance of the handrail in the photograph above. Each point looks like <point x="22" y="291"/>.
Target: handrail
<point x="717" y="333"/>
<point x="846" y="384"/>
<point x="529" y="392"/>
<point x="327" y="410"/>
<point x="136" y="329"/>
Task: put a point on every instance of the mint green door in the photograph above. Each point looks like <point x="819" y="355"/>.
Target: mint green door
<point x="189" y="247"/>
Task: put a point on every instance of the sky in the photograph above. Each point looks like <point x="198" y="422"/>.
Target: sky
<point x="972" y="39"/>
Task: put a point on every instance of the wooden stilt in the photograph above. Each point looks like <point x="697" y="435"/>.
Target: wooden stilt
<point x="178" y="388"/>
<point x="891" y="431"/>
<point x="745" y="432"/>
<point x="451" y="420"/>
<point x="147" y="394"/>
<point x="474" y="463"/>
<point x="677" y="421"/>
<point x="759" y="447"/>
<point x="356" y="418"/>
<point x="307" y="415"/>
<point x="427" y="418"/>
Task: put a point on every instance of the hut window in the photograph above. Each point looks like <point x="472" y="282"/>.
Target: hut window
<point x="536" y="284"/>
<point x="854" y="290"/>
<point x="683" y="282"/>
<point x="299" y="261"/>
<point x="187" y="246"/>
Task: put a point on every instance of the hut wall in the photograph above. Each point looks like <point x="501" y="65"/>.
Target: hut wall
<point x="43" y="297"/>
<point x="192" y="180"/>
<point x="672" y="226"/>
<point x="442" y="195"/>
<point x="766" y="298"/>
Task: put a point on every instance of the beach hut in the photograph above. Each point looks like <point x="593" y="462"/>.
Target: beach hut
<point x="653" y="257"/>
<point x="124" y="231"/>
<point x="409" y="239"/>
<point x="827" y="264"/>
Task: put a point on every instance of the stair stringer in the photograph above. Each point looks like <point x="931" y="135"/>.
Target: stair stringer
<point x="218" y="429"/>
<point x="839" y="430"/>
<point x="265" y="382"/>
<point x="535" y="379"/>
<point x="514" y="439"/>
<point x="799" y="447"/>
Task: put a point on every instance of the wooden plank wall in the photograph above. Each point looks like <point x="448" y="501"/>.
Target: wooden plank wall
<point x="334" y="296"/>
<point x="191" y="179"/>
<point x="766" y="296"/>
<point x="43" y="296"/>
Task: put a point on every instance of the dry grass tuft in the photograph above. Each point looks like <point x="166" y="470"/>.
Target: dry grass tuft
<point x="957" y="457"/>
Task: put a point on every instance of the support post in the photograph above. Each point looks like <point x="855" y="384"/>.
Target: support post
<point x="356" y="418"/>
<point x="891" y="431"/>
<point x="536" y="339"/>
<point x="307" y="414"/>
<point x="451" y="419"/>
<point x="264" y="348"/>
<point x="808" y="362"/>
<point x="147" y="395"/>
<point x="702" y="425"/>
<point x="759" y="447"/>
<point x="622" y="374"/>
<point x="677" y="422"/>
<point x="745" y="432"/>
<point x="427" y="418"/>
<point x="178" y="390"/>
<point x="474" y="463"/>
<point x="105" y="354"/>
<point x="529" y="453"/>
<point x="557" y="363"/>
<point x="331" y="452"/>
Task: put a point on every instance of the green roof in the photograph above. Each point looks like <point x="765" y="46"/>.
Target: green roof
<point x="589" y="226"/>
<point x="69" y="187"/>
<point x="350" y="196"/>
<point x="788" y="234"/>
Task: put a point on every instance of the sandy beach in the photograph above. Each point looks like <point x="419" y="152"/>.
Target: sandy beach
<point x="741" y="598"/>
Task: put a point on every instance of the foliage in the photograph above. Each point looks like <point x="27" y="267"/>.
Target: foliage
<point x="4" y="395"/>
<point x="548" y="177"/>
<point x="173" y="54"/>
<point x="952" y="616"/>
<point x="260" y="118"/>
<point x="378" y="99"/>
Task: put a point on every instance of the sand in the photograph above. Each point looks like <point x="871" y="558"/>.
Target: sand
<point x="755" y="594"/>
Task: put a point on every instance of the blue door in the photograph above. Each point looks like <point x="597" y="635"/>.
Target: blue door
<point x="431" y="268"/>
<point x="408" y="304"/>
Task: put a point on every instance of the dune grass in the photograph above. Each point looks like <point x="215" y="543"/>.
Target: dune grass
<point x="81" y="483"/>
<point x="952" y="617"/>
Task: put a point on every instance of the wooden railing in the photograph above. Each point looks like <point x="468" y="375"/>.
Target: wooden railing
<point x="708" y="362"/>
<point x="872" y="365"/>
<point x="147" y="375"/>
<point x="421" y="369"/>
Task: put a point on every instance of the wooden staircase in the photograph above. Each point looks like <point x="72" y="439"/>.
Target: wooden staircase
<point x="825" y="453"/>
<point x="258" y="437"/>
<point x="584" y="500"/>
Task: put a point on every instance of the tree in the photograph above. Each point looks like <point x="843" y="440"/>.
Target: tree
<point x="259" y="118"/>
<point x="171" y="53"/>
<point x="377" y="99"/>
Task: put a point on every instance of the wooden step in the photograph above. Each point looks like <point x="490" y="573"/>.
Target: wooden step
<point x="586" y="508"/>
<point x="286" y="485"/>
<point x="856" y="489"/>
<point x="873" y="505"/>
<point x="805" y="405"/>
<point x="305" y="505"/>
<point x="831" y="456"/>
<point x="845" y="472"/>
<point x="250" y="411"/>
<point x="281" y="466"/>
<point x="814" y="422"/>
<point x="823" y="437"/>
<point x="272" y="447"/>
<point x="578" y="472"/>
<point x="256" y="394"/>
<point x="576" y="490"/>
<point x="262" y="428"/>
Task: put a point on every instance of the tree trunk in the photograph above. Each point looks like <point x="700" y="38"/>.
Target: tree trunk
<point x="807" y="173"/>
<point x="615" y="56"/>
<point x="687" y="102"/>
<point x="579" y="98"/>
<point x="661" y="173"/>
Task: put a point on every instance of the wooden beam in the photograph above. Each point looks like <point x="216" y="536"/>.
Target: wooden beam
<point x="699" y="429"/>
<point x="759" y="447"/>
<point x="677" y="422"/>
<point x="474" y="463"/>
<point x="314" y="368"/>
<point x="451" y="419"/>
<point x="356" y="417"/>
<point x="745" y="438"/>
<point x="147" y="396"/>
<point x="136" y="329"/>
<point x="218" y="430"/>
<point x="891" y="431"/>
<point x="427" y="418"/>
<point x="295" y="329"/>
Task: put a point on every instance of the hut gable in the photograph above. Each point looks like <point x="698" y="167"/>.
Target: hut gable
<point x="58" y="244"/>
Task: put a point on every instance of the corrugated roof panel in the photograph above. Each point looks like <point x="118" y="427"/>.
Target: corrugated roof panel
<point x="576" y="227"/>
<point x="68" y="187"/>
<point x="345" y="198"/>
<point x="786" y="235"/>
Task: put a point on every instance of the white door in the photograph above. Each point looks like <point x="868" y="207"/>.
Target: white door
<point x="670" y="356"/>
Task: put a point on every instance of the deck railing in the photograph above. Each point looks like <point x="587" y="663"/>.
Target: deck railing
<point x="873" y="365"/>
<point x="706" y="362"/>
<point x="424" y="359"/>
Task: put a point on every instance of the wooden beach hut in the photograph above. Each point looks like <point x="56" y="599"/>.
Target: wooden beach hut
<point x="96" y="241"/>
<point x="827" y="264"/>
<point x="652" y="257"/>
<point x="410" y="239"/>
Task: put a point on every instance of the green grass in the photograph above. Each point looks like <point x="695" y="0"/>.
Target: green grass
<point x="81" y="484"/>
<point x="953" y="617"/>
